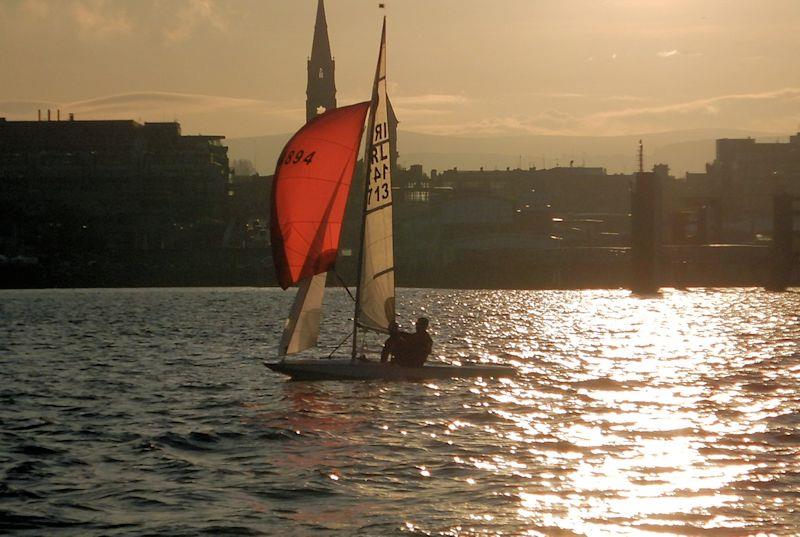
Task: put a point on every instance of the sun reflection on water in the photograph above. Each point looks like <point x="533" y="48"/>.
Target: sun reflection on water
<point x="675" y="415"/>
<point x="640" y="421"/>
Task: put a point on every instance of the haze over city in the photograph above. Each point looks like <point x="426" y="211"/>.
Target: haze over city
<point x="466" y="67"/>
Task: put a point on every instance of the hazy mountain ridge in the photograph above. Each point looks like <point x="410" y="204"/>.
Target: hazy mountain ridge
<point x="685" y="150"/>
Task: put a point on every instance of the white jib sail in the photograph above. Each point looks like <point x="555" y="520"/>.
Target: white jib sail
<point x="376" y="287"/>
<point x="302" y="326"/>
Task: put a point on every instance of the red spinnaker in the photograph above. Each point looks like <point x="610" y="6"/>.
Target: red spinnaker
<point x="309" y="193"/>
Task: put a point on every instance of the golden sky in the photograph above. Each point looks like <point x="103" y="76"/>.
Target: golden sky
<point x="471" y="67"/>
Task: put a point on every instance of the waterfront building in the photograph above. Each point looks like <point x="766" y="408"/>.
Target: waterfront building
<point x="122" y="183"/>
<point x="732" y="200"/>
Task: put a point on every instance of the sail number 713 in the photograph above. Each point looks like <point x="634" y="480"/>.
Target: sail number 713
<point x="377" y="193"/>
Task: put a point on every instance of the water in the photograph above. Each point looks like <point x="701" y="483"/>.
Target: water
<point x="148" y="412"/>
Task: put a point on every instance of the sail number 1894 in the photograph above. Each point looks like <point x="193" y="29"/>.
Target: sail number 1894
<point x="295" y="157"/>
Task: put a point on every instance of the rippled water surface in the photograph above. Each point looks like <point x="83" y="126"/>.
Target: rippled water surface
<point x="136" y="412"/>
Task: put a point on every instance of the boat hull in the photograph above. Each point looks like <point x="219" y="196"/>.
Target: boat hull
<point x="345" y="369"/>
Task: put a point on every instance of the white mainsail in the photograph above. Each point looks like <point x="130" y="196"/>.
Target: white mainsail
<point x="302" y="326"/>
<point x="375" y="300"/>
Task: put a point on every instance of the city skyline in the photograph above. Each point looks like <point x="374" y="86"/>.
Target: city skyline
<point x="574" y="68"/>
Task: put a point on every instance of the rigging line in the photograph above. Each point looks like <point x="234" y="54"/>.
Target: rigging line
<point x="339" y="345"/>
<point x="341" y="281"/>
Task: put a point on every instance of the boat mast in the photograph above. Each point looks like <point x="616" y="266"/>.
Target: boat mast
<point x="367" y="150"/>
<point x="367" y="176"/>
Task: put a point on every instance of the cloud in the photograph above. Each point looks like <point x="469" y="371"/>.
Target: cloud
<point x="36" y="8"/>
<point x="409" y="114"/>
<point x="771" y="111"/>
<point x="90" y="19"/>
<point x="192" y="14"/>
<point x="623" y="98"/>
<point x="411" y="107"/>
<point x="154" y="100"/>
<point x="552" y="121"/>
<point x="548" y="122"/>
<point x="430" y="99"/>
<point x="572" y="96"/>
<point x="708" y="106"/>
<point x="97" y="19"/>
<point x="228" y="116"/>
<point x="143" y="104"/>
<point x="745" y="110"/>
<point x="172" y="20"/>
<point x="557" y="95"/>
<point x="675" y="52"/>
<point x="146" y="104"/>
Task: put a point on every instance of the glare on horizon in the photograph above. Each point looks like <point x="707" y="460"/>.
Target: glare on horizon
<point x="456" y="67"/>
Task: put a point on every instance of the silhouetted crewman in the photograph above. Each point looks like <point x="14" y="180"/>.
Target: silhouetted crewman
<point x="393" y="344"/>
<point x="415" y="348"/>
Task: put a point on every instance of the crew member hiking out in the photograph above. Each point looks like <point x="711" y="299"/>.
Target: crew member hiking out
<point x="411" y="350"/>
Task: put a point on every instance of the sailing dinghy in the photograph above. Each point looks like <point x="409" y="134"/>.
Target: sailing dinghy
<point x="309" y="195"/>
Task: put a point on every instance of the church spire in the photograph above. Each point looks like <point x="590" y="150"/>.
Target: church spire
<point x="321" y="89"/>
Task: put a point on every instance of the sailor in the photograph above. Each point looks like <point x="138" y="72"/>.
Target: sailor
<point x="415" y="348"/>
<point x="394" y="343"/>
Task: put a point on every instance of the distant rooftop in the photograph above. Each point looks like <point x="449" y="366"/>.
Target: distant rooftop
<point x="47" y="132"/>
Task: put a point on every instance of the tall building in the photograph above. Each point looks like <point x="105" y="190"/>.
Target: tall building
<point x="746" y="159"/>
<point x="134" y="185"/>
<point x="745" y="176"/>
<point x="321" y="89"/>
